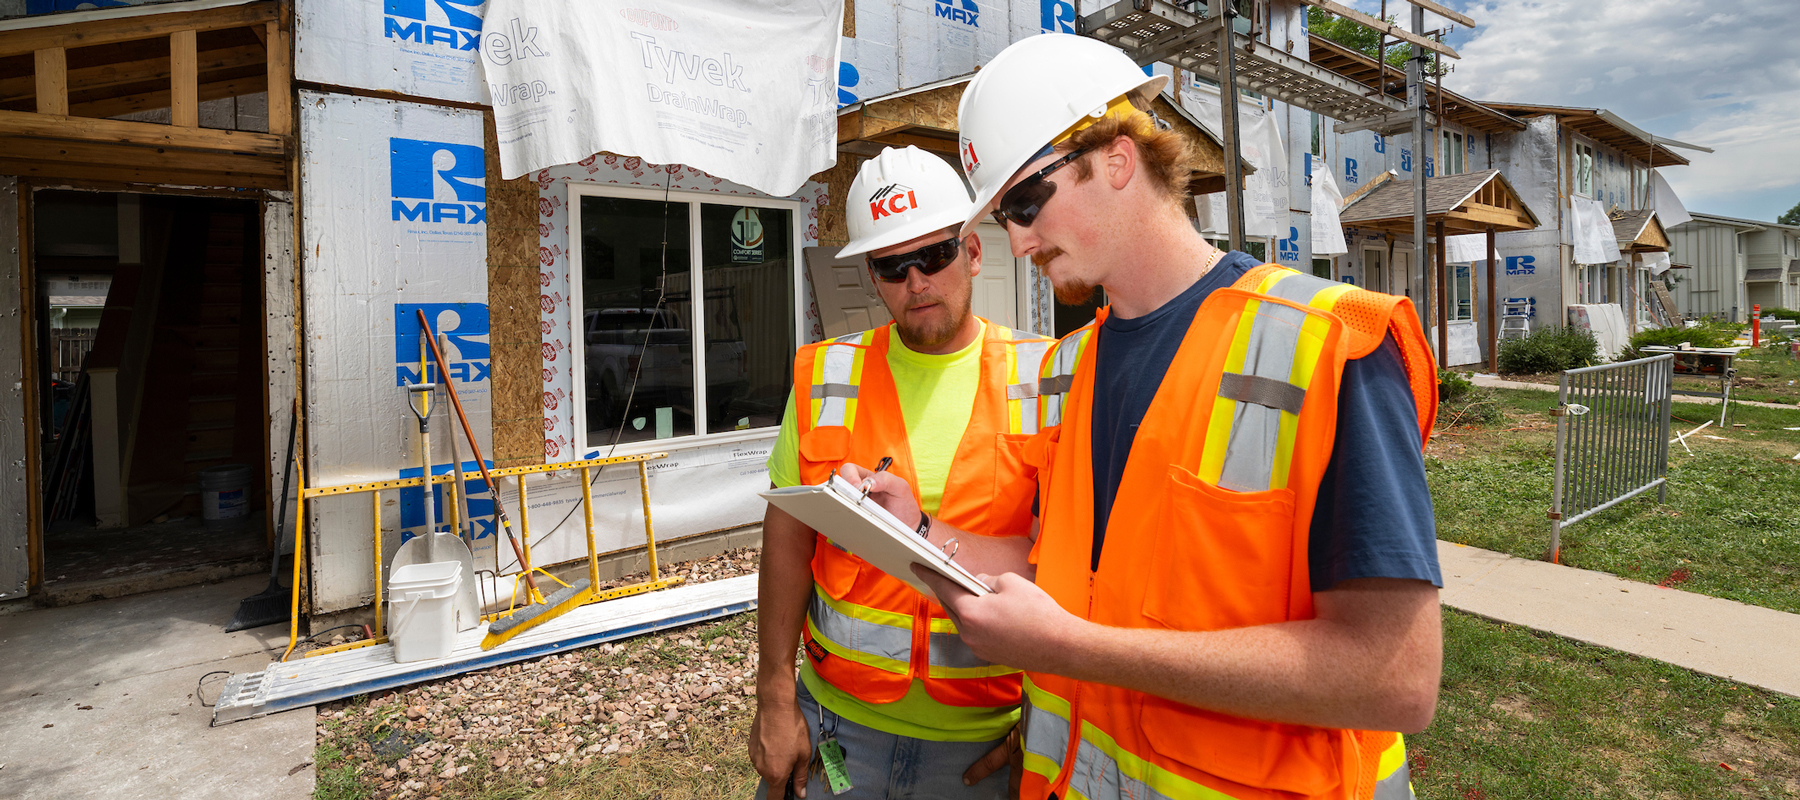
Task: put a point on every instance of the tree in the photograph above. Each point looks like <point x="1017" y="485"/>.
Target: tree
<point x="1792" y="217"/>
<point x="1354" y="35"/>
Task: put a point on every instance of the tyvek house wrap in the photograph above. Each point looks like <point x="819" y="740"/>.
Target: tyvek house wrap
<point x="742" y="92"/>
<point x="394" y="220"/>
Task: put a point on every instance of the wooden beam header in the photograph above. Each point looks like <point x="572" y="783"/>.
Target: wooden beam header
<point x="125" y="29"/>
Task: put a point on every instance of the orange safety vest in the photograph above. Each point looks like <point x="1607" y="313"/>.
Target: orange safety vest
<point x="868" y="633"/>
<point x="1208" y="531"/>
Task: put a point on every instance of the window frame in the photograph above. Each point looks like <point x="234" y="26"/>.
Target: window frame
<point x="1452" y="152"/>
<point x="702" y="436"/>
<point x="1592" y="166"/>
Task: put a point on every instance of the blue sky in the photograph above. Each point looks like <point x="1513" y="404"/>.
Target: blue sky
<point x="1723" y="73"/>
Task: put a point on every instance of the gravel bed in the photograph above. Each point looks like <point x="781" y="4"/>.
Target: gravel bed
<point x="518" y="723"/>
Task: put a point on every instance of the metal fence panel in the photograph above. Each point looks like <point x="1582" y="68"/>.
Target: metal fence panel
<point x="1612" y="439"/>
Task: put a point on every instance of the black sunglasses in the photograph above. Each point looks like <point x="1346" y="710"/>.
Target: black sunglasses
<point x="1025" y="200"/>
<point x="930" y="259"/>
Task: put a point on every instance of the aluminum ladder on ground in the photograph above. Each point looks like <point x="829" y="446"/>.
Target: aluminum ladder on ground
<point x="304" y="682"/>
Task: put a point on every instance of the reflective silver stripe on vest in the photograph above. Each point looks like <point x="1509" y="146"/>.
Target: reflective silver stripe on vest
<point x="1059" y="375"/>
<point x="1299" y="287"/>
<point x="1096" y="775"/>
<point x="948" y="650"/>
<point x="1262" y="391"/>
<point x="1255" y="428"/>
<point x="1046" y="734"/>
<point x="835" y="390"/>
<point x="825" y="390"/>
<point x="1028" y="358"/>
<point x="881" y="641"/>
<point x="1397" y="786"/>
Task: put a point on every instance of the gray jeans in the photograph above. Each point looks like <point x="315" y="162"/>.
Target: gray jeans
<point x="883" y="766"/>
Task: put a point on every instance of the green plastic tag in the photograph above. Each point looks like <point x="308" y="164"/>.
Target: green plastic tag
<point x="832" y="754"/>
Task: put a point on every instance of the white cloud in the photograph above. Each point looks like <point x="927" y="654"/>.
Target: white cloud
<point x="1723" y="74"/>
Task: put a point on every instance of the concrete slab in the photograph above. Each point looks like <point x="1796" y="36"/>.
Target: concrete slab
<point x="1745" y="643"/>
<point x="98" y="700"/>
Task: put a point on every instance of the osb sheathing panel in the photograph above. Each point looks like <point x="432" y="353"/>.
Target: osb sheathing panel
<point x="932" y="109"/>
<point x="517" y="357"/>
<point x="837" y="182"/>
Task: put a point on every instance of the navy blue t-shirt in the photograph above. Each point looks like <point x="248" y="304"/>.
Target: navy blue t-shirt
<point x="1373" y="518"/>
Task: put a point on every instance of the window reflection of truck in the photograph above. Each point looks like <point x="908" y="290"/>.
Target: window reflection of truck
<point x="654" y="346"/>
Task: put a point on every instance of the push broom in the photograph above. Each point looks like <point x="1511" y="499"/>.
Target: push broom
<point x="551" y="607"/>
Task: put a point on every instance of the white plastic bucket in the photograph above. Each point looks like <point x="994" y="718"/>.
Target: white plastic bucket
<point x="224" y="492"/>
<point x="422" y="610"/>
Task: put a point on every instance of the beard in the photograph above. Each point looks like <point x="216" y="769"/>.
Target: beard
<point x="921" y="336"/>
<point x="1069" y="292"/>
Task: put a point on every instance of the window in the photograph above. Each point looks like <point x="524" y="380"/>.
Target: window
<point x="1640" y="186"/>
<point x="1321" y="268"/>
<point x="1584" y="169"/>
<point x="1374" y="277"/>
<point x="1455" y="154"/>
<point x="1317" y="143"/>
<point x="641" y="260"/>
<point x="1462" y="300"/>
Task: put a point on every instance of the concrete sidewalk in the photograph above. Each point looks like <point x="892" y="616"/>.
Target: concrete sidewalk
<point x="1496" y="382"/>
<point x="97" y="700"/>
<point x="1745" y="643"/>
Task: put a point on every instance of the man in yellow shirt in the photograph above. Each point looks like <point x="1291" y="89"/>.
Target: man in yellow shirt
<point x="888" y="701"/>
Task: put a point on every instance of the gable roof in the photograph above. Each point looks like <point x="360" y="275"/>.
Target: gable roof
<point x="1640" y="231"/>
<point x="1467" y="203"/>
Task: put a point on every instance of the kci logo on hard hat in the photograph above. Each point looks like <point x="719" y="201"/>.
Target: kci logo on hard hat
<point x="970" y="162"/>
<point x="892" y="199"/>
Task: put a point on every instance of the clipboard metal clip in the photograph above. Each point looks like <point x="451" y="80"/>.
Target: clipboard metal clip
<point x="869" y="482"/>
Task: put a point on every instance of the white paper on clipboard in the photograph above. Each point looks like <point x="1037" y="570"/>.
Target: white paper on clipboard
<point x="838" y="509"/>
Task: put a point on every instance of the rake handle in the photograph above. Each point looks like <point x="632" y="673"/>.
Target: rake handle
<point x="437" y="356"/>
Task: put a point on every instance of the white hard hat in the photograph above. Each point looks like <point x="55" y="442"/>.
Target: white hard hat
<point x="1034" y="93"/>
<point x="900" y="195"/>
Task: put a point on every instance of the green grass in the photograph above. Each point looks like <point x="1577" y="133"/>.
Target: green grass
<point x="1770" y="368"/>
<point x="336" y="778"/>
<point x="1523" y="714"/>
<point x="1728" y="528"/>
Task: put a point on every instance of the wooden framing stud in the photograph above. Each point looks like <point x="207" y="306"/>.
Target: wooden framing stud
<point x="52" y="81"/>
<point x="280" y="91"/>
<point x="184" y="80"/>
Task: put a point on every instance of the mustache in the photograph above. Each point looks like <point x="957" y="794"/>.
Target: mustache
<point x="1039" y="259"/>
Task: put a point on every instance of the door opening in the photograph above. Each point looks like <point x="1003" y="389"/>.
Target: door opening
<point x="150" y="317"/>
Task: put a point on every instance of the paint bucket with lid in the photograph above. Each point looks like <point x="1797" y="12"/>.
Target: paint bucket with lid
<point x="224" y="493"/>
<point x="421" y="610"/>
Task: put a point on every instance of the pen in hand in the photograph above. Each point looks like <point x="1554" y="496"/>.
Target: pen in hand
<point x="869" y="482"/>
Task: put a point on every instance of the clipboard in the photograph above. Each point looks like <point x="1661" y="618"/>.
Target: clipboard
<point x="838" y="509"/>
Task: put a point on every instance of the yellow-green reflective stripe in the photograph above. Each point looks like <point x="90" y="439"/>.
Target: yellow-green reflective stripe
<point x="1392" y="758"/>
<point x="1110" y="772"/>
<point x="893" y="619"/>
<point x="1393" y="777"/>
<point x="886" y="664"/>
<point x="844" y="634"/>
<point x="1218" y="427"/>
<point x="1102" y="770"/>
<point x="1057" y="375"/>
<point x="1046" y="733"/>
